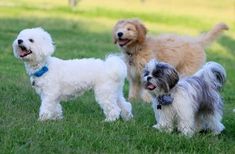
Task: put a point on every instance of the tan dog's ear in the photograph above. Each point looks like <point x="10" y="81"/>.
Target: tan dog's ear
<point x="114" y="34"/>
<point x="141" y="29"/>
<point x="115" y="29"/>
<point x="114" y="38"/>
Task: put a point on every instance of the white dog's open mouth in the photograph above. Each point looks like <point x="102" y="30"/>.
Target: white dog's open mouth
<point x="24" y="51"/>
<point x="123" y="42"/>
<point x="149" y="86"/>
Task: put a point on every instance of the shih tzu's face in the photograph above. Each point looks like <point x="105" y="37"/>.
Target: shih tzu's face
<point x="159" y="77"/>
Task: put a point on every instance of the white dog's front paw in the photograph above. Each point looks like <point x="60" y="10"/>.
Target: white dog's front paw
<point x="50" y="116"/>
<point x="49" y="112"/>
<point x="126" y="113"/>
<point x="111" y="119"/>
<point x="112" y="115"/>
<point x="127" y="116"/>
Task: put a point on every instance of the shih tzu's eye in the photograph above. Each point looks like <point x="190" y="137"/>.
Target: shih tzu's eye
<point x="156" y="73"/>
<point x="31" y="40"/>
<point x="128" y="29"/>
<point x="146" y="73"/>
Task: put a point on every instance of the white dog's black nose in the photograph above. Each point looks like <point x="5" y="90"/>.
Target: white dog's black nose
<point x="119" y="34"/>
<point x="149" y="78"/>
<point x="20" y="41"/>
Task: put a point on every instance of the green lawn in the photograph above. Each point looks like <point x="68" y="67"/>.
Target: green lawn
<point x="86" y="32"/>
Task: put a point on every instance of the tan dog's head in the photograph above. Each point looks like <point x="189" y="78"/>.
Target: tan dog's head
<point x="128" y="32"/>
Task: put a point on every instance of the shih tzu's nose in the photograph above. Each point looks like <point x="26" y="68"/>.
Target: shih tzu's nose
<point x="20" y="41"/>
<point x="120" y="34"/>
<point x="149" y="78"/>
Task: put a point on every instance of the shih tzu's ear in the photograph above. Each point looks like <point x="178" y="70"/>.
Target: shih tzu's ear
<point x="141" y="29"/>
<point x="220" y="77"/>
<point x="173" y="78"/>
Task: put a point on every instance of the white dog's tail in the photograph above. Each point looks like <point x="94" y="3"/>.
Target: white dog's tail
<point x="207" y="38"/>
<point x="116" y="67"/>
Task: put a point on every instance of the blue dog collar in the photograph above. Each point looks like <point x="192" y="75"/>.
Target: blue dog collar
<point x="164" y="100"/>
<point x="40" y="72"/>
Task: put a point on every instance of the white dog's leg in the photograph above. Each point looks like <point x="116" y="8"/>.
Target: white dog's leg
<point x="50" y="110"/>
<point x="214" y="123"/>
<point x="125" y="107"/>
<point x="107" y="99"/>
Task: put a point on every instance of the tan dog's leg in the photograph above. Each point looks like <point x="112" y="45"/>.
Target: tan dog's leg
<point x="145" y="96"/>
<point x="134" y="89"/>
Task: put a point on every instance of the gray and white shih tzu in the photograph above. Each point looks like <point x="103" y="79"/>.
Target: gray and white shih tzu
<point x="189" y="104"/>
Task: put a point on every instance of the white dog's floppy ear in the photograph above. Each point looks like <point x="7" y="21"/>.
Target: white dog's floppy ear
<point x="48" y="47"/>
<point x="14" y="48"/>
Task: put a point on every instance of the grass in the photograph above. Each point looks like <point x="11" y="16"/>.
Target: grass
<point x="86" y="32"/>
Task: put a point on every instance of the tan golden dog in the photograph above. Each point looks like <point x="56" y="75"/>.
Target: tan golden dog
<point x="185" y="53"/>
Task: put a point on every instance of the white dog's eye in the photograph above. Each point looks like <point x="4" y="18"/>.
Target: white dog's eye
<point x="31" y="40"/>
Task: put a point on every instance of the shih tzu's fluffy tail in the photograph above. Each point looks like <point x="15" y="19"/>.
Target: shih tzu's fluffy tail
<point x="207" y="38"/>
<point x="213" y="73"/>
<point x="116" y="67"/>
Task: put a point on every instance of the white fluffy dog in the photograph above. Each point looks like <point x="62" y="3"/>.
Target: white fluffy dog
<point x="193" y="103"/>
<point x="55" y="79"/>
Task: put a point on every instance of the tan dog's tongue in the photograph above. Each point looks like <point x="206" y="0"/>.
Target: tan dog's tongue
<point x="123" y="41"/>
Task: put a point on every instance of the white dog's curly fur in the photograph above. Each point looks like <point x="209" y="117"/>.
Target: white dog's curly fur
<point x="55" y="79"/>
<point x="193" y="104"/>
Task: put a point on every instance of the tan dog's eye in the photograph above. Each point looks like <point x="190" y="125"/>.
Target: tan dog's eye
<point x="128" y="29"/>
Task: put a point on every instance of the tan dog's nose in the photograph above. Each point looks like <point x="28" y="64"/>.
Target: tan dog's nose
<point x="119" y="34"/>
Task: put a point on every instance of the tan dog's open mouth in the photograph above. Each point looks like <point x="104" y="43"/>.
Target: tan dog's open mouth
<point x="123" y="42"/>
<point x="24" y="51"/>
